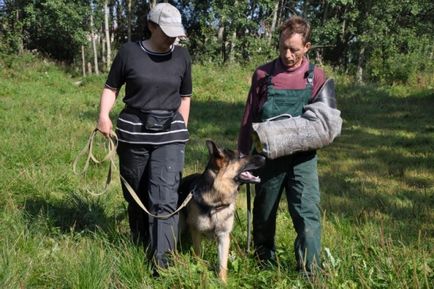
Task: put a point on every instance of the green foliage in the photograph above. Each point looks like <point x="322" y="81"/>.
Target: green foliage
<point x="395" y="38"/>
<point x="57" y="27"/>
<point x="237" y="22"/>
<point x="387" y="42"/>
<point x="11" y="29"/>
<point x="407" y="62"/>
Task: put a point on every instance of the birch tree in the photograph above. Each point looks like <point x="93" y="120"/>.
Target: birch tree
<point x="107" y="35"/>
<point x="93" y="40"/>
<point x="129" y="11"/>
<point x="274" y="21"/>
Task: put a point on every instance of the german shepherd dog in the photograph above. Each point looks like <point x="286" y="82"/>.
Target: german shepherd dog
<point x="212" y="208"/>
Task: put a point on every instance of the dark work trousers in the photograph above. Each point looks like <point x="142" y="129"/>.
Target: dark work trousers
<point x="154" y="172"/>
<point x="297" y="175"/>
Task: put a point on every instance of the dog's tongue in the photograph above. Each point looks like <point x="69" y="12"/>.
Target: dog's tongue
<point x="247" y="177"/>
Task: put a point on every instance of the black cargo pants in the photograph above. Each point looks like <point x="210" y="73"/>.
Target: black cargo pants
<point x="154" y="172"/>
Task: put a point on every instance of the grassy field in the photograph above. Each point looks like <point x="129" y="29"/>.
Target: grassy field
<point x="377" y="183"/>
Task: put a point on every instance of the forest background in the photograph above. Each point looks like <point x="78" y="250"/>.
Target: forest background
<point x="385" y="42"/>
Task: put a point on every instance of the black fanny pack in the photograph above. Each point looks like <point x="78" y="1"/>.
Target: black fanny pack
<point x="154" y="120"/>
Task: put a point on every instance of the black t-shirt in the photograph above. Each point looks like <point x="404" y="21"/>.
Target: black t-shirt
<point x="153" y="81"/>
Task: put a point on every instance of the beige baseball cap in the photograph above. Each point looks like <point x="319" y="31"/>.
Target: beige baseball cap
<point x="168" y="18"/>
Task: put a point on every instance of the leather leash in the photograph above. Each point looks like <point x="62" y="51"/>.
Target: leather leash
<point x="112" y="145"/>
<point x="249" y="214"/>
<point x="88" y="152"/>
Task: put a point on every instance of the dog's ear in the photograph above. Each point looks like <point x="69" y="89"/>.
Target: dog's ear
<point x="213" y="149"/>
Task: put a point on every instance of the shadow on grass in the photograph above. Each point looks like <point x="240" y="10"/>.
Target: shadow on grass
<point x="386" y="148"/>
<point x="75" y="213"/>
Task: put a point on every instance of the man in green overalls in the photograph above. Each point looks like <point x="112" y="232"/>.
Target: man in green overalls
<point x="283" y="87"/>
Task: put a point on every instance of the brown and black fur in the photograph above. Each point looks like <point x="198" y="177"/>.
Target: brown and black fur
<point x="211" y="211"/>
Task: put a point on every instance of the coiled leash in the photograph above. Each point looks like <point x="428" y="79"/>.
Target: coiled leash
<point x="112" y="146"/>
<point x="88" y="150"/>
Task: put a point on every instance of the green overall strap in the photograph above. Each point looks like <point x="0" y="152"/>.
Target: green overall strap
<point x="310" y="77"/>
<point x="311" y="74"/>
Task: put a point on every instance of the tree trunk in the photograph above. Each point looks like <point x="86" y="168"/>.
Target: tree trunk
<point x="305" y="6"/>
<point x="233" y="39"/>
<point x="344" y="25"/>
<point x="20" y="27"/>
<point x="232" y="47"/>
<point x="274" y="23"/>
<point x="83" y="61"/>
<point x="129" y="4"/>
<point x="220" y="32"/>
<point x="318" y="57"/>
<point x="282" y="11"/>
<point x="101" y="43"/>
<point x="324" y="16"/>
<point x="107" y="36"/>
<point x="221" y="36"/>
<point x="360" y="61"/>
<point x="432" y="53"/>
<point x="93" y="36"/>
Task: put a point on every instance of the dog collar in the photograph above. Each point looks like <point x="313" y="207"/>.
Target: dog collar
<point x="205" y="207"/>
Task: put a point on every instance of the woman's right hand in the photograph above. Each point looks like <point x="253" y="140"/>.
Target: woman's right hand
<point x="107" y="101"/>
<point x="104" y="125"/>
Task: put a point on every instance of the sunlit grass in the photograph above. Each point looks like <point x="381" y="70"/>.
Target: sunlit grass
<point x="377" y="183"/>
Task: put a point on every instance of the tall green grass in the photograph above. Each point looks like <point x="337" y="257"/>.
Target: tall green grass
<point x="377" y="183"/>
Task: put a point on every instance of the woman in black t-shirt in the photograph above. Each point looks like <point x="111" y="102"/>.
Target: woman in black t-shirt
<point x="152" y="128"/>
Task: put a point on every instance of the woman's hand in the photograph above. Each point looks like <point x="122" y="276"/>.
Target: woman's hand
<point x="104" y="125"/>
<point x="107" y="101"/>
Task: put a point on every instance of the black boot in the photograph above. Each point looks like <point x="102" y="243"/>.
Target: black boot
<point x="266" y="256"/>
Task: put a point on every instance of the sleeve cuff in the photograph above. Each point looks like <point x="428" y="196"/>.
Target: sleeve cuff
<point x="110" y="87"/>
